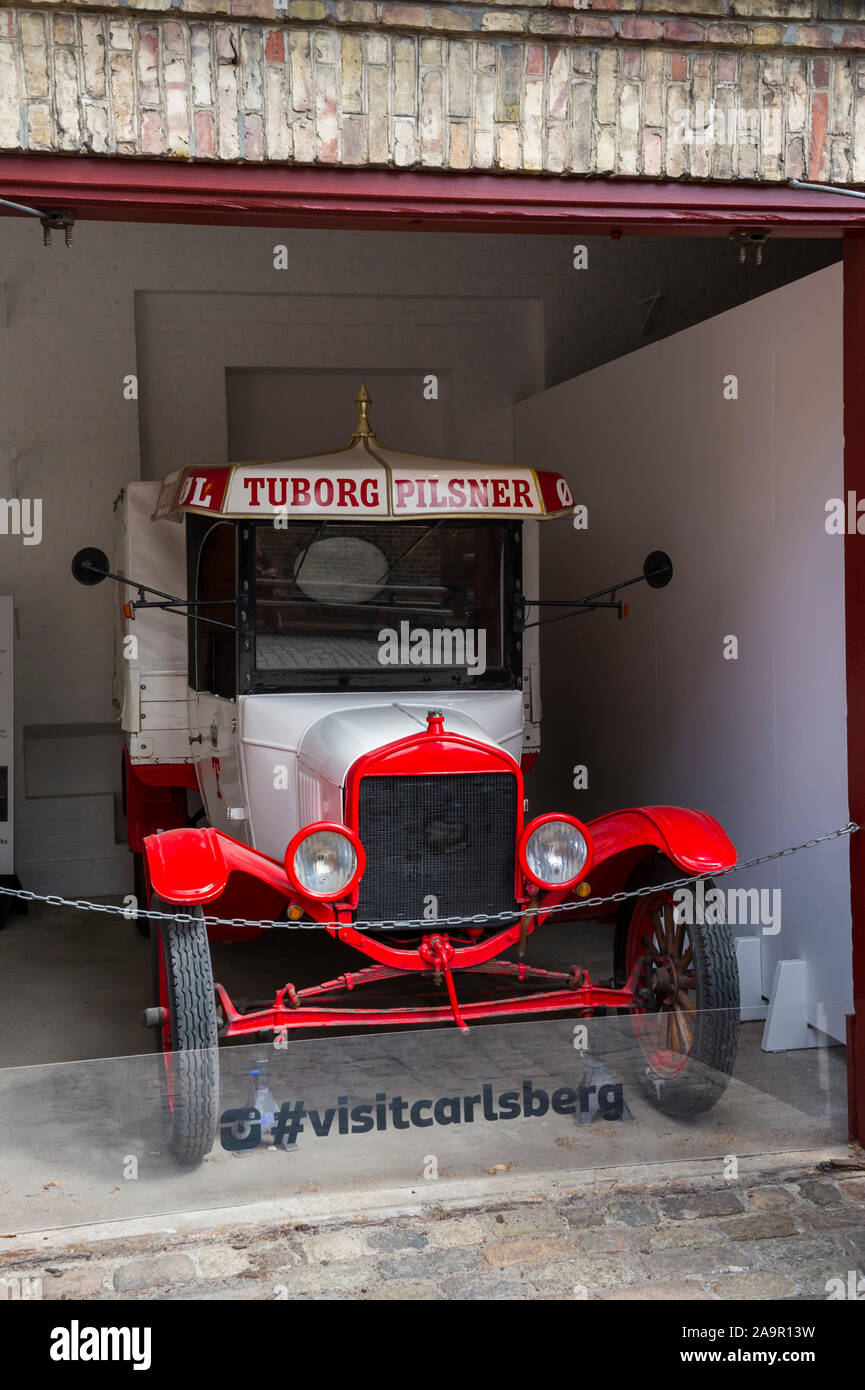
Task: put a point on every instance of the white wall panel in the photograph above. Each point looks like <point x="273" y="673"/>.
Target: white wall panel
<point x="736" y="491"/>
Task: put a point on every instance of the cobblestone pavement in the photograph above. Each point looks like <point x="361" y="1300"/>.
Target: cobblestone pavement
<point x="778" y="1236"/>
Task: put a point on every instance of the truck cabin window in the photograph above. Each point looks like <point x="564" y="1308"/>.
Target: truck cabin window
<point x="216" y="580"/>
<point x="386" y="605"/>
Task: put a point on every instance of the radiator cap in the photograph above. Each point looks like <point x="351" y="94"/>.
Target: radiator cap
<point x="435" y="721"/>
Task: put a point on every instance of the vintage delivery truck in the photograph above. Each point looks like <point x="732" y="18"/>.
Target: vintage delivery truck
<point x="329" y="689"/>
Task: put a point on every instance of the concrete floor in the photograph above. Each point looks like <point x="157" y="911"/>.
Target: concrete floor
<point x="72" y="1127"/>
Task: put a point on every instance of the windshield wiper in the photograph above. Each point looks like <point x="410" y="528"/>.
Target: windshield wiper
<point x="414" y="545"/>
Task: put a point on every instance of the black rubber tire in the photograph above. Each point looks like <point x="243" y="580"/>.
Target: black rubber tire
<point x="712" y="1055"/>
<point x="192" y="1075"/>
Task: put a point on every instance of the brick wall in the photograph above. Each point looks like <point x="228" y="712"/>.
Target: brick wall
<point x="726" y="89"/>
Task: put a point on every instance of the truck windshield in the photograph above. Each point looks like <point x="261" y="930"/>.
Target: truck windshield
<point x="385" y="605"/>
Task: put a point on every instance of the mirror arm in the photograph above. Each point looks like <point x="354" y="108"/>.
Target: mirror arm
<point x="576" y="610"/>
<point x="588" y="601"/>
<point x="169" y="603"/>
<point x="602" y="598"/>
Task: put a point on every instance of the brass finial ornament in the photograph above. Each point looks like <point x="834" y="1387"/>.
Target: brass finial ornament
<point x="363" y="429"/>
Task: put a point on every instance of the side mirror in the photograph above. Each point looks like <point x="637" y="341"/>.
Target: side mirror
<point x="657" y="569"/>
<point x="90" y="566"/>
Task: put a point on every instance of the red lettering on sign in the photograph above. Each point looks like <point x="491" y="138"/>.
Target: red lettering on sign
<point x="435" y="500"/>
<point x="500" y="492"/>
<point x="253" y="486"/>
<point x="478" y="492"/>
<point x="347" y="492"/>
<point x="300" y="492"/>
<point x="404" y="488"/>
<point x="457" y="492"/>
<point x="522" y="493"/>
<point x="323" y="491"/>
<point x="277" y="491"/>
<point x="369" y="492"/>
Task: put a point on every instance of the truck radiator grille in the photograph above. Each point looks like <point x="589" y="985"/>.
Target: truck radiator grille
<point x="449" y="836"/>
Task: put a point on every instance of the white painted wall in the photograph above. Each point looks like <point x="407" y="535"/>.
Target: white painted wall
<point x="735" y="490"/>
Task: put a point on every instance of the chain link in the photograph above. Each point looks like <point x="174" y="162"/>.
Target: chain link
<point x="424" y="924"/>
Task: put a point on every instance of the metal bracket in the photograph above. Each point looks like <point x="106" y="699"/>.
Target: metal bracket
<point x="52" y="219"/>
<point x="755" y="238"/>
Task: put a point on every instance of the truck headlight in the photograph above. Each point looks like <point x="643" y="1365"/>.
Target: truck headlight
<point x="555" y="851"/>
<point x="324" y="861"/>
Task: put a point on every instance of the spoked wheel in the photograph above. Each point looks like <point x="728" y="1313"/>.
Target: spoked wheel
<point x="187" y="1038"/>
<point x="687" y="1024"/>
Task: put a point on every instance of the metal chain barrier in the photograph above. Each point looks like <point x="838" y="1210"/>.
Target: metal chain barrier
<point x="423" y="924"/>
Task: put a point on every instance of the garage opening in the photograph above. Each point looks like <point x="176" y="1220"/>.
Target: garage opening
<point x="692" y="402"/>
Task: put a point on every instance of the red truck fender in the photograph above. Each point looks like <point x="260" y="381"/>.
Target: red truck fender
<point x="692" y="839"/>
<point x="189" y="866"/>
<point x="186" y="865"/>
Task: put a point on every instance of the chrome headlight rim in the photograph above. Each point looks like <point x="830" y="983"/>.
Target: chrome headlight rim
<point x="325" y="828"/>
<point x="530" y="830"/>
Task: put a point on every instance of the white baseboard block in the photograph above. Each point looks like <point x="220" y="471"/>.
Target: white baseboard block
<point x="786" y="1027"/>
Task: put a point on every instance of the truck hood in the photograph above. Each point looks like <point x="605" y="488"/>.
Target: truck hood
<point x="311" y="739"/>
<point x="327" y="732"/>
<point x="332" y="743"/>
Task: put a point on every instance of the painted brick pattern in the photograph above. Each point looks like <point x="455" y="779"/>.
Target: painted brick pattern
<point x="809" y="23"/>
<point x="416" y="86"/>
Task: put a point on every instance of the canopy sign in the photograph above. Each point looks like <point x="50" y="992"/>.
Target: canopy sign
<point x="365" y="480"/>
